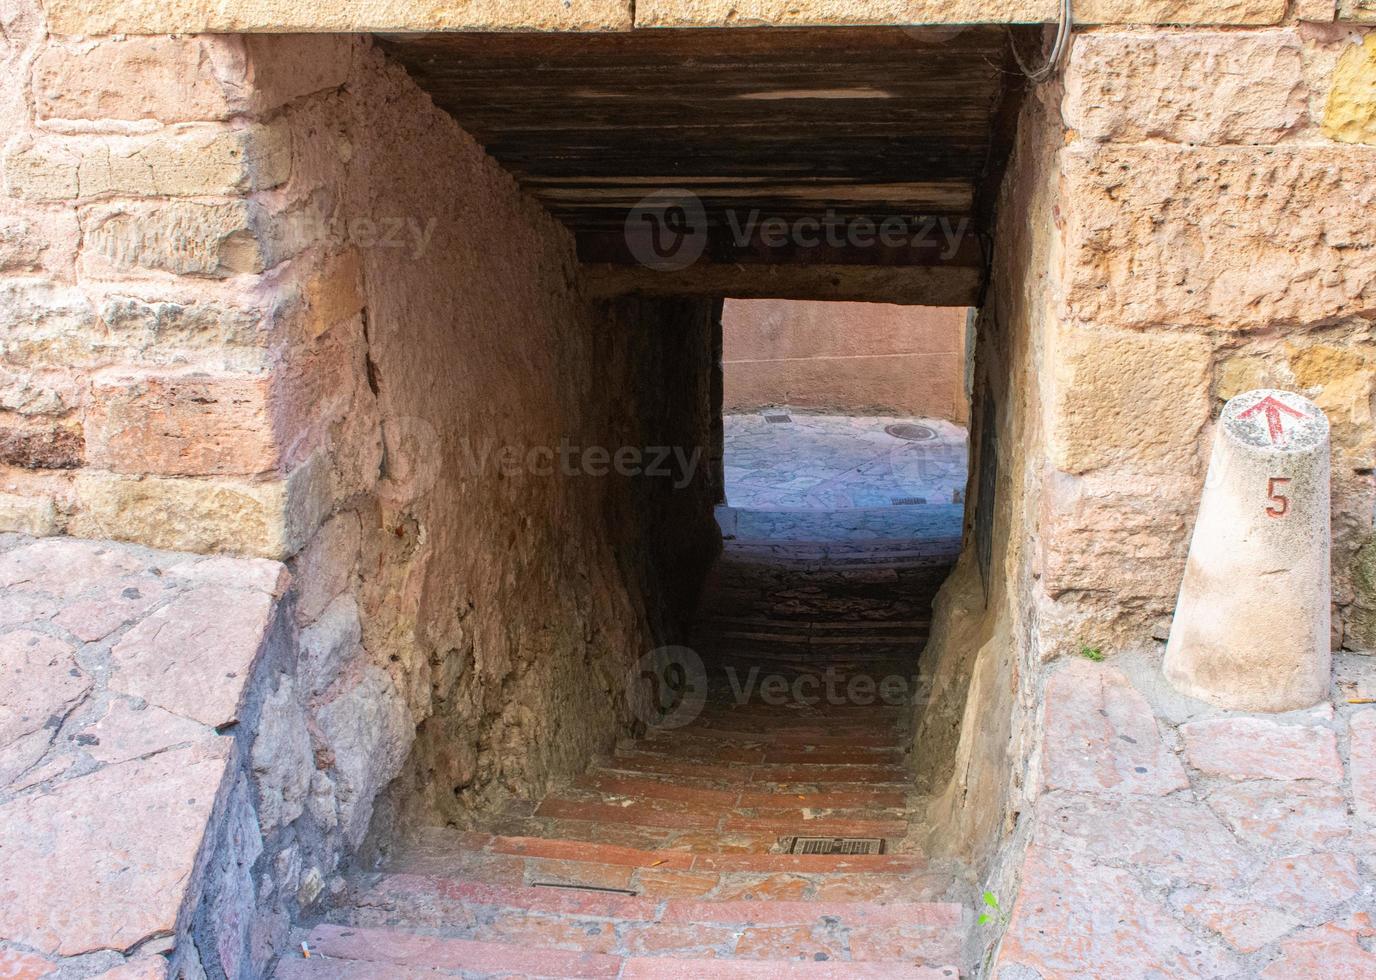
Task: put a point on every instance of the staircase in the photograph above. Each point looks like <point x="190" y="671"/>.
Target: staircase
<point x="672" y="856"/>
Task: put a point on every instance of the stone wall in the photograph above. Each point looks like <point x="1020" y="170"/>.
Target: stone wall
<point x="1215" y="216"/>
<point x="262" y="298"/>
<point x="1186" y="216"/>
<point x="852" y="358"/>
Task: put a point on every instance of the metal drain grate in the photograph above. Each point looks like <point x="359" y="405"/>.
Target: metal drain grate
<point x="583" y="888"/>
<point x="778" y="418"/>
<point x="905" y="501"/>
<point x="910" y="432"/>
<point x="837" y="845"/>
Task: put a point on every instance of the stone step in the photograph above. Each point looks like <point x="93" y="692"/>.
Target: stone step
<point x="354" y="953"/>
<point x="576" y="920"/>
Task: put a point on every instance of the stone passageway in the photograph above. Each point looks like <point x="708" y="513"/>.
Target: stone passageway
<point x="677" y="855"/>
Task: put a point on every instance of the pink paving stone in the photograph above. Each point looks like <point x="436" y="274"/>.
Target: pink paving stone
<point x="139" y="968"/>
<point x="102" y="862"/>
<point x="1258" y="748"/>
<point x="123" y="732"/>
<point x="1363" y="762"/>
<point x="1101" y="736"/>
<point x="1291" y="815"/>
<point x="39" y="683"/>
<point x="66" y="567"/>
<point x="1329" y="951"/>
<point x="17" y="965"/>
<point x="260" y="574"/>
<point x="672" y="968"/>
<point x="1177" y="835"/>
<point x="121" y="601"/>
<point x="1288" y="891"/>
<point x="193" y="656"/>
<point x="1073" y="918"/>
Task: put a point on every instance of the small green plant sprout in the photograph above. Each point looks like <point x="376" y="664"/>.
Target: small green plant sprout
<point x="991" y="902"/>
<point x="1092" y="653"/>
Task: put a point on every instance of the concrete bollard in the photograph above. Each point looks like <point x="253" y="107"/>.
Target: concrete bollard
<point x="1251" y="627"/>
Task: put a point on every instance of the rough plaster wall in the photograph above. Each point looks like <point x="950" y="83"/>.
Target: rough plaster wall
<point x="859" y="358"/>
<point x="973" y="732"/>
<point x="499" y="607"/>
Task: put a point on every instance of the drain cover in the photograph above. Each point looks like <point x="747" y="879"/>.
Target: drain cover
<point x="778" y="418"/>
<point x="906" y="501"/>
<point x="837" y="845"/>
<point x="910" y="431"/>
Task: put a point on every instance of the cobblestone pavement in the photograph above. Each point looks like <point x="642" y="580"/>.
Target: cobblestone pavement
<point x="834" y="462"/>
<point x="1174" y="839"/>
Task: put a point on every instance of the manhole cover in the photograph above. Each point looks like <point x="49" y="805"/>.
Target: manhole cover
<point x="910" y="431"/>
<point x="837" y="845"/>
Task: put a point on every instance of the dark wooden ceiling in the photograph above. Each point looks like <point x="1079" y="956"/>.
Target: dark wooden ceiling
<point x="789" y="123"/>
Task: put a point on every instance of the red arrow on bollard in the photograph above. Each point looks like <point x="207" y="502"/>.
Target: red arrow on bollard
<point x="1273" y="408"/>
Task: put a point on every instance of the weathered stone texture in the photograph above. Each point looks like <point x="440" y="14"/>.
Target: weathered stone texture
<point x="1350" y="115"/>
<point x="71" y="884"/>
<point x="178" y="236"/>
<point x="1128" y="398"/>
<point x="170" y="80"/>
<point x="1359" y="11"/>
<point x="271" y="519"/>
<point x="185" y="424"/>
<point x="1196" y="87"/>
<point x="735" y="13"/>
<point x="195" y="16"/>
<point x="1230" y="239"/>
<point x="1257" y="748"/>
<point x="1102" y="737"/>
<point x="176" y="657"/>
<point x="39" y="446"/>
<point x="183" y="161"/>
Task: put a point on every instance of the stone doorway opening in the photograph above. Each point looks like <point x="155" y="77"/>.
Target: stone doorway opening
<point x="394" y="327"/>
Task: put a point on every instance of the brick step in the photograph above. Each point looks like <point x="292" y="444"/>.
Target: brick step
<point x="638" y="836"/>
<point x="790" y="731"/>
<point x="760" y="754"/>
<point x="438" y="843"/>
<point x="575" y="804"/>
<point x="353" y="953"/>
<point x="657" y="877"/>
<point x="738" y="797"/>
<point x="637" y="762"/>
<point x="574" y="920"/>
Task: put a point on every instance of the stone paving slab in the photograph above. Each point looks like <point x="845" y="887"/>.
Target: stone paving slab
<point x="119" y="669"/>
<point x="834" y="462"/>
<point x="1245" y="848"/>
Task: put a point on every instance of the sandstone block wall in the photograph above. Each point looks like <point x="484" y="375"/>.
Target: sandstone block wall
<point x="865" y="358"/>
<point x="1214" y="219"/>
<point x="1186" y="216"/>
